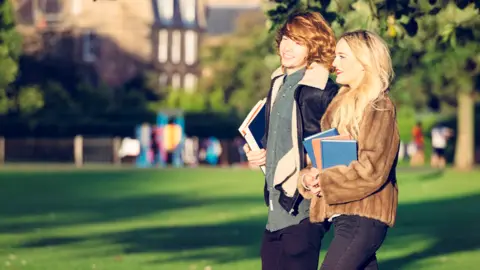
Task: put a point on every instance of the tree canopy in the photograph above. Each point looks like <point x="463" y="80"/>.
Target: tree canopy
<point x="435" y="50"/>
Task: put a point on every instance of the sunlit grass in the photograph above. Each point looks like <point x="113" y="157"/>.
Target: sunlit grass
<point x="205" y="218"/>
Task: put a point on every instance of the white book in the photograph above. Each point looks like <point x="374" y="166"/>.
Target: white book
<point x="245" y="130"/>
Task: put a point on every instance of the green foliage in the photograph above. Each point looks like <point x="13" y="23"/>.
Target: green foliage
<point x="30" y="99"/>
<point x="216" y="101"/>
<point x="435" y="51"/>
<point x="282" y="9"/>
<point x="179" y="99"/>
<point x="10" y="45"/>
<point x="442" y="58"/>
<point x="434" y="44"/>
<point x="279" y="13"/>
<point x="240" y="67"/>
<point x="57" y="100"/>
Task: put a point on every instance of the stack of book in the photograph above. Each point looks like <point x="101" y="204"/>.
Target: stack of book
<point x="253" y="127"/>
<point x="328" y="149"/>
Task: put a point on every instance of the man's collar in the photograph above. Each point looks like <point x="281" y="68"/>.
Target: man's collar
<point x="315" y="76"/>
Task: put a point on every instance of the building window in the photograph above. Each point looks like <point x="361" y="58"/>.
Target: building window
<point x="165" y="10"/>
<point x="163" y="80"/>
<point x="176" y="81"/>
<point x="50" y="6"/>
<point x="176" y="46"/>
<point x="89" y="46"/>
<point x="76" y="6"/>
<point x="162" y="46"/>
<point x="50" y="10"/>
<point x="188" y="9"/>
<point x="190" y="82"/>
<point x="191" y="47"/>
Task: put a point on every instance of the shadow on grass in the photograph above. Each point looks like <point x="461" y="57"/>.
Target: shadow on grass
<point x="434" y="175"/>
<point x="184" y="243"/>
<point x="31" y="202"/>
<point x="446" y="224"/>
<point x="450" y="225"/>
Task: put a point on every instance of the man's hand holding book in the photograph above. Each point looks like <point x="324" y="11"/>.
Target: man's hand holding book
<point x="255" y="157"/>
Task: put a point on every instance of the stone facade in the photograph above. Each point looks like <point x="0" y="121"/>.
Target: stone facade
<point x="116" y="38"/>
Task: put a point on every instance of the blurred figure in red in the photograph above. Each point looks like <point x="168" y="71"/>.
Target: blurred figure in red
<point x="418" y="159"/>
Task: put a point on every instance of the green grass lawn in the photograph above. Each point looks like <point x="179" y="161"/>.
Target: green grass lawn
<point x="205" y="219"/>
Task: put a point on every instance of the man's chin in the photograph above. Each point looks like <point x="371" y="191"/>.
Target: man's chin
<point x="288" y="62"/>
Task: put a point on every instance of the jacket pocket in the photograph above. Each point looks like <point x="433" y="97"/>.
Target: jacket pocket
<point x="286" y="167"/>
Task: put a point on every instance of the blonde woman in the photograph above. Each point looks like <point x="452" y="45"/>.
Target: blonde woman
<point x="360" y="199"/>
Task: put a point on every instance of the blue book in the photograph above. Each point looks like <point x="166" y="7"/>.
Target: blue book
<point x="338" y="152"/>
<point x="257" y="127"/>
<point x="307" y="142"/>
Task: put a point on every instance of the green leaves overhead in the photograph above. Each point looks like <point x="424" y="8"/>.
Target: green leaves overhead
<point x="10" y="46"/>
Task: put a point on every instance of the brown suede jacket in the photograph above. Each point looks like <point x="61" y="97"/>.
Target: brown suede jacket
<point x="366" y="187"/>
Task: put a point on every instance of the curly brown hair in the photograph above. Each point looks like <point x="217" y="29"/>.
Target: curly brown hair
<point x="311" y="30"/>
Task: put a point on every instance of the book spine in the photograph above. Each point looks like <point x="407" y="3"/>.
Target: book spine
<point x="252" y="143"/>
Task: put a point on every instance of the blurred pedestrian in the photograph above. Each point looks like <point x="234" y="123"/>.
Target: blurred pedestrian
<point x="418" y="158"/>
<point x="440" y="136"/>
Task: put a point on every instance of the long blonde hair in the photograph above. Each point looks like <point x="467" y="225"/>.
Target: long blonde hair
<point x="373" y="53"/>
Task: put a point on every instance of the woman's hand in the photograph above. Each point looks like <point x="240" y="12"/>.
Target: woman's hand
<point x="310" y="180"/>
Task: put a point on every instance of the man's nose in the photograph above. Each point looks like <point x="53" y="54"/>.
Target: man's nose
<point x="288" y="46"/>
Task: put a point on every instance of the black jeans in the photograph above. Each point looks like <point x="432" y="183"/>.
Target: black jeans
<point x="355" y="242"/>
<point x="293" y="248"/>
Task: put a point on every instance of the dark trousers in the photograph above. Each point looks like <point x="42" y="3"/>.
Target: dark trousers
<point x="293" y="248"/>
<point x="355" y="242"/>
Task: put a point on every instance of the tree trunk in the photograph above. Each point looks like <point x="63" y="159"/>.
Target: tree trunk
<point x="464" y="150"/>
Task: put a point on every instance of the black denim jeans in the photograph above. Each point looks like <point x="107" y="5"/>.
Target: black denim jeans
<point x="355" y="243"/>
<point x="293" y="248"/>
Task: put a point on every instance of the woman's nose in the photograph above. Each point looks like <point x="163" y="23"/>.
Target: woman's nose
<point x="335" y="62"/>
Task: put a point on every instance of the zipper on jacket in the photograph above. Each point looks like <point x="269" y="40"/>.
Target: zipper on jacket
<point x="299" y="141"/>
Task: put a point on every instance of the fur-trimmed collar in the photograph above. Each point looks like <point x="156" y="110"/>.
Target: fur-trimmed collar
<point x="315" y="76"/>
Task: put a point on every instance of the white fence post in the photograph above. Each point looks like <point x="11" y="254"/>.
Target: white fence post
<point x="78" y="150"/>
<point x="117" y="141"/>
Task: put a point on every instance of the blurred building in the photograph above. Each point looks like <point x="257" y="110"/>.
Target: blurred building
<point x="115" y="40"/>
<point x="223" y="15"/>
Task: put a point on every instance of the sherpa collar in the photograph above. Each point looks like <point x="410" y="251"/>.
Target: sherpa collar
<point x="315" y="76"/>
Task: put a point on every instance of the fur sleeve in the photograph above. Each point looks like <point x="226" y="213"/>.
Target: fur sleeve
<point x="378" y="144"/>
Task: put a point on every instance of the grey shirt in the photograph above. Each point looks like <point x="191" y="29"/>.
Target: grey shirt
<point x="280" y="143"/>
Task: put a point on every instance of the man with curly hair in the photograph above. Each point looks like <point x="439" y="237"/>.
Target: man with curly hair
<point x="299" y="95"/>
